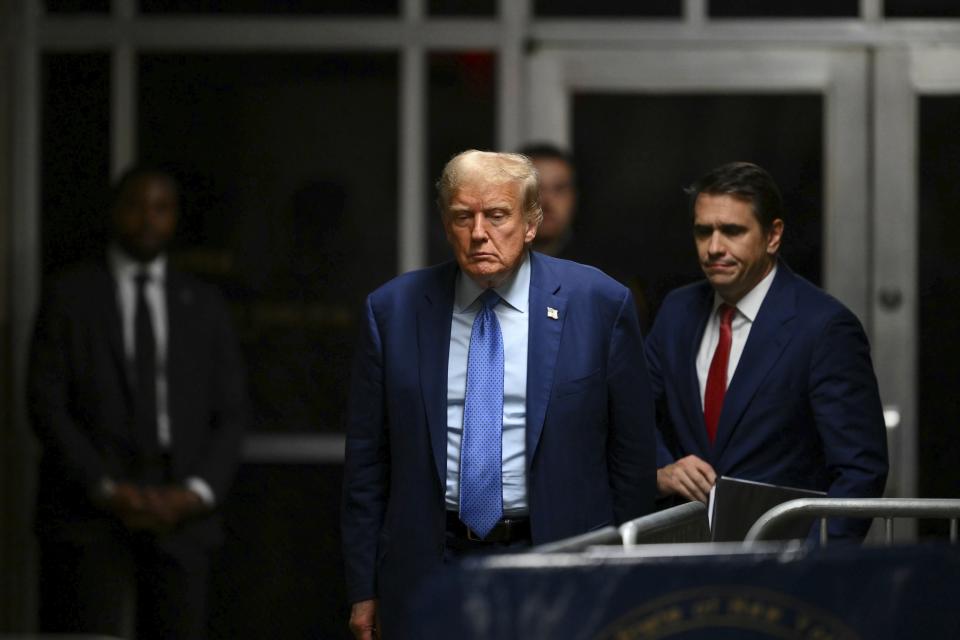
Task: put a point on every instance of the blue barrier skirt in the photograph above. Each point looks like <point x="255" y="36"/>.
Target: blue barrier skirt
<point x="783" y="591"/>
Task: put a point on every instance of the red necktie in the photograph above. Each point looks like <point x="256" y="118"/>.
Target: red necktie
<point x="717" y="377"/>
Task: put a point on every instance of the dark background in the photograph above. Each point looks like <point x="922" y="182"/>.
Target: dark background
<point x="939" y="290"/>
<point x="634" y="220"/>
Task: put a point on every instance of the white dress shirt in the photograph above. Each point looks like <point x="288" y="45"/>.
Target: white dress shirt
<point x="746" y="312"/>
<point x="125" y="270"/>
<point x="514" y="325"/>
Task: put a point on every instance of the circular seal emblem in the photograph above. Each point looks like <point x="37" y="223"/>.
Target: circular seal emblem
<point x="724" y="612"/>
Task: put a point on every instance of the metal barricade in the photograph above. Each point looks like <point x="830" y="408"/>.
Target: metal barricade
<point x="886" y="508"/>
<point x="683" y="523"/>
<point x="605" y="536"/>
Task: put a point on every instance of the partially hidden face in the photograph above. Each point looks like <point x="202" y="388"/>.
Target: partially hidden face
<point x="485" y="225"/>
<point x="734" y="250"/>
<point x="145" y="217"/>
<point x="557" y="197"/>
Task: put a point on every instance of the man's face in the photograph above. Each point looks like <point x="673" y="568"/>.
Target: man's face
<point x="145" y="217"/>
<point x="557" y="197"/>
<point x="735" y="252"/>
<point x="485" y="225"/>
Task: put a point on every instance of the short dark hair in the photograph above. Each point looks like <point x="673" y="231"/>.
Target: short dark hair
<point x="548" y="151"/>
<point x="745" y="181"/>
<point x="136" y="172"/>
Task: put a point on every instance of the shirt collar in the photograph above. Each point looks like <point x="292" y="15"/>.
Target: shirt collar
<point x="515" y="291"/>
<point x="749" y="305"/>
<point x="124" y="267"/>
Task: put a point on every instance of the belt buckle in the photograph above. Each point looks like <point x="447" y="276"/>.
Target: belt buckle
<point x="472" y="537"/>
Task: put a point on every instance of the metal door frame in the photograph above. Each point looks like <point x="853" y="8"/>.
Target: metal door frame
<point x="840" y="75"/>
<point x="903" y="75"/>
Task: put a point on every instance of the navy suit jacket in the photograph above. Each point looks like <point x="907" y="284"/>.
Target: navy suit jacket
<point x="802" y="408"/>
<point x="590" y="421"/>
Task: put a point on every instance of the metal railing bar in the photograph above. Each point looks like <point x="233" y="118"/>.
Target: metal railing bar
<point x="605" y="536"/>
<point x="853" y="508"/>
<point x="661" y="520"/>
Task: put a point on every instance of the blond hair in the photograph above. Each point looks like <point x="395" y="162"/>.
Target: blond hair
<point x="493" y="167"/>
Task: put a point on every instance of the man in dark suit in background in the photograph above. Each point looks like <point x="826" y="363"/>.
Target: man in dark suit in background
<point x="136" y="392"/>
<point x="757" y="373"/>
<point x="557" y="176"/>
<point x="498" y="401"/>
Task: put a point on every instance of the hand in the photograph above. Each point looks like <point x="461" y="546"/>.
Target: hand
<point x="363" y="618"/>
<point x="170" y="505"/>
<point x="127" y="502"/>
<point x="689" y="477"/>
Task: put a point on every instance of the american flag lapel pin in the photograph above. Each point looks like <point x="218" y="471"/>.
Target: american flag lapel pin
<point x="552" y="313"/>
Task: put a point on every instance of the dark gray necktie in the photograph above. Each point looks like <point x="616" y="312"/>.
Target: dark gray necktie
<point x="145" y="369"/>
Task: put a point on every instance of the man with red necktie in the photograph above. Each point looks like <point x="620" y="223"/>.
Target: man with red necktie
<point x="757" y="373"/>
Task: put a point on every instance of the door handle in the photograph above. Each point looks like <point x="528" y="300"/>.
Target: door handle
<point x="890" y="299"/>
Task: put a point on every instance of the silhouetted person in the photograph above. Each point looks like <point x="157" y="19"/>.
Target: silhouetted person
<point x="557" y="173"/>
<point x="558" y="198"/>
<point x="136" y="392"/>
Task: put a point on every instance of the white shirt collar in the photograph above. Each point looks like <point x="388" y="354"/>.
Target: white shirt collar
<point x="515" y="291"/>
<point x="124" y="267"/>
<point x="749" y="305"/>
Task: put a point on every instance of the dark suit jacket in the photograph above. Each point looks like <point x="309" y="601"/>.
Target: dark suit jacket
<point x="590" y="444"/>
<point x="802" y="408"/>
<point x="81" y="404"/>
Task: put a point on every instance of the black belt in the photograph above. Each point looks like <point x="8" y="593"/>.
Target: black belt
<point x="509" y="529"/>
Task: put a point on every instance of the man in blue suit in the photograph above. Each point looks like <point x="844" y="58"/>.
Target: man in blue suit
<point x="757" y="373"/>
<point x="498" y="401"/>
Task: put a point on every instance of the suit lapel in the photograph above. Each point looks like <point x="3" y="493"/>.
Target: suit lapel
<point x="434" y="317"/>
<point x="696" y="325"/>
<point x="109" y="309"/>
<point x="543" y="345"/>
<point x="769" y="335"/>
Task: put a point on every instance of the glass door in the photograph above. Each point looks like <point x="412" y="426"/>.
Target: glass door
<point x="678" y="112"/>
<point x="915" y="268"/>
<point x="804" y="115"/>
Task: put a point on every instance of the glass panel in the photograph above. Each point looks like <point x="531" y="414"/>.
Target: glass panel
<point x="281" y="552"/>
<point x="607" y="8"/>
<point x="461" y="109"/>
<point x="318" y="7"/>
<point x="462" y="8"/>
<point x="289" y="169"/>
<point x="767" y="9"/>
<point x="921" y="8"/>
<point x="75" y="157"/>
<point x="633" y="220"/>
<point x="77" y="6"/>
<point x="939" y="301"/>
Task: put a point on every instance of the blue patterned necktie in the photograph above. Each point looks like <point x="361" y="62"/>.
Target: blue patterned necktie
<point x="481" y="495"/>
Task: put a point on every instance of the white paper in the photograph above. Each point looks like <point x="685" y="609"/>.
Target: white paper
<point x="713" y="491"/>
